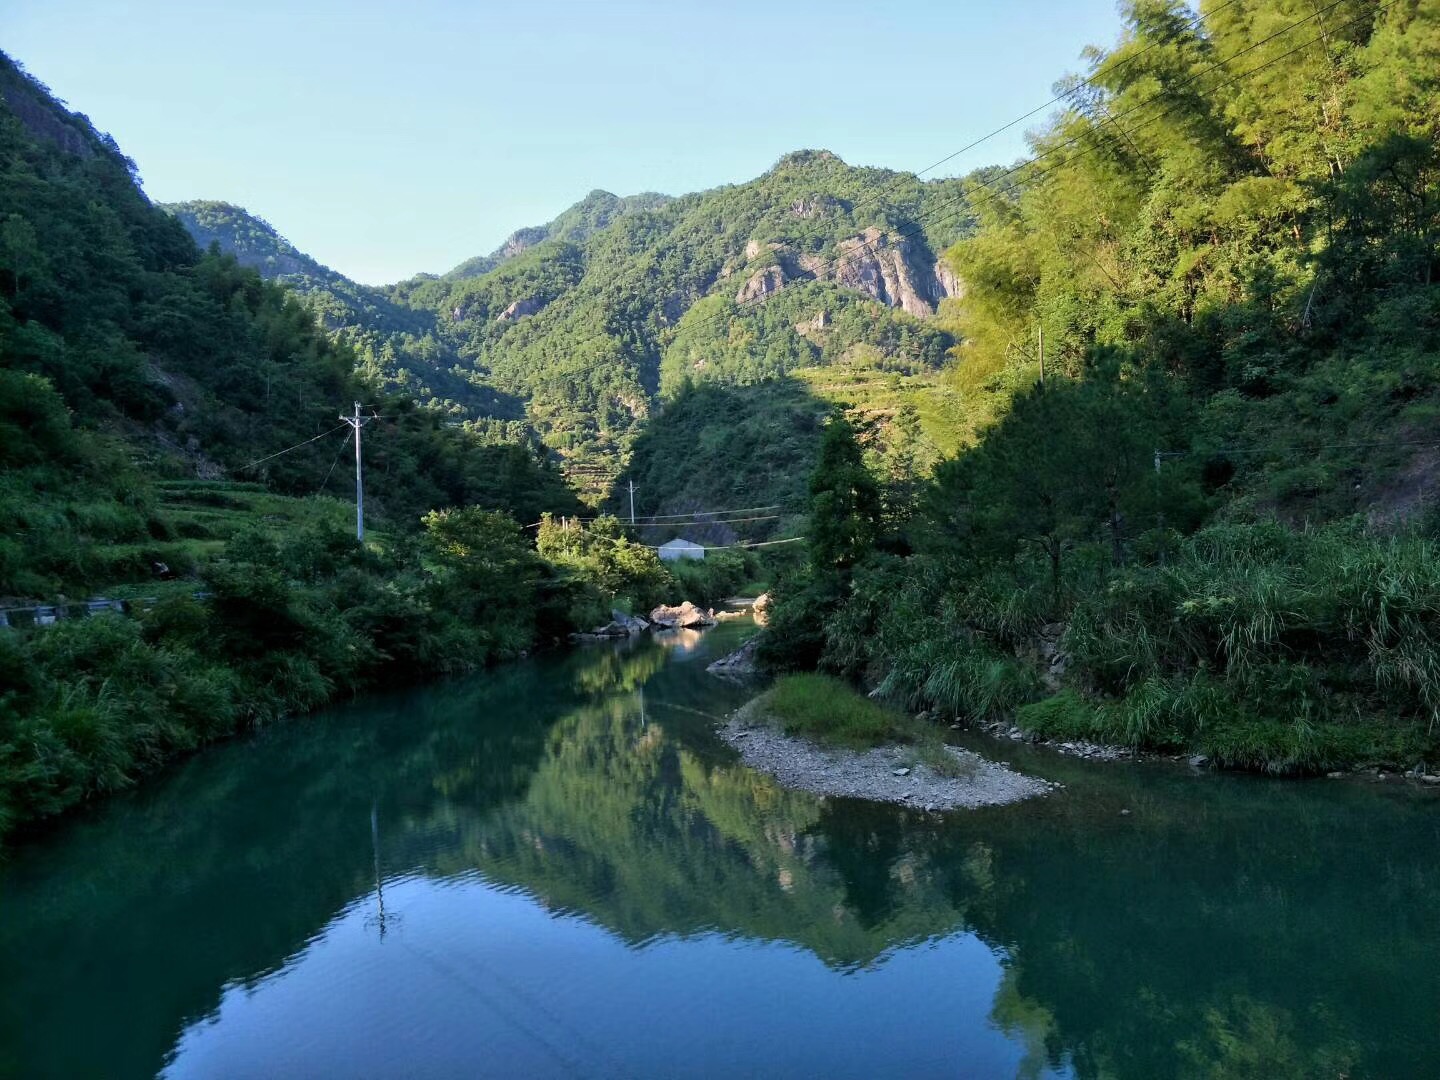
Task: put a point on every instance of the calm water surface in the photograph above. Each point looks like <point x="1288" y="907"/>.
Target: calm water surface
<point x="555" y="869"/>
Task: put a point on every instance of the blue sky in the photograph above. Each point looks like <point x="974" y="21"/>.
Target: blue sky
<point x="390" y="138"/>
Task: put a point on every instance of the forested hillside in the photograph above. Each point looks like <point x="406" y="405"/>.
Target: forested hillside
<point x="578" y="332"/>
<point x="1208" y="522"/>
<point x="169" y="434"/>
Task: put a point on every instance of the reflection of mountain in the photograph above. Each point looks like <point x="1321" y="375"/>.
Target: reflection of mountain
<point x="1224" y="926"/>
<point x="624" y="824"/>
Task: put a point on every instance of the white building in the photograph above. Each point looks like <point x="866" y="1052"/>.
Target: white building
<point x="681" y="549"/>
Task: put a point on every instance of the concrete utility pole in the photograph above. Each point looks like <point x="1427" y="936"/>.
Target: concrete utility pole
<point x="632" y="502"/>
<point x="357" y="422"/>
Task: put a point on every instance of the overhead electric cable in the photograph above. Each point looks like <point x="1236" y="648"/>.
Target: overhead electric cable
<point x="288" y="449"/>
<point x="1192" y="24"/>
<point x="962" y="199"/>
<point x="912" y="231"/>
<point x="335" y="462"/>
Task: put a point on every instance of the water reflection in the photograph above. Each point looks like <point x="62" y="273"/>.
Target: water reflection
<point x="557" y="860"/>
<point x="681" y="641"/>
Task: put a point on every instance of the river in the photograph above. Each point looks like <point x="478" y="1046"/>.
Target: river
<point x="556" y="869"/>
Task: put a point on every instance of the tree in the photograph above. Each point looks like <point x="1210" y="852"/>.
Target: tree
<point x="484" y="568"/>
<point x="845" y="504"/>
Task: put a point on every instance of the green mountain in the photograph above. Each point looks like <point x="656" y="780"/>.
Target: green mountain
<point x="578" y="331"/>
<point x="589" y="215"/>
<point x="130" y="358"/>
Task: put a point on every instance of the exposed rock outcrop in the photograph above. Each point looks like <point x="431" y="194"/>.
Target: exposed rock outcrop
<point x="520" y="308"/>
<point x="760" y="284"/>
<point x="619" y="626"/>
<point x="761" y="609"/>
<point x="950" y="284"/>
<point x="739" y="662"/>
<point x="894" y="270"/>
<point x="889" y="270"/>
<point x="810" y="206"/>
<point x="44" y="120"/>
<point x="818" y="322"/>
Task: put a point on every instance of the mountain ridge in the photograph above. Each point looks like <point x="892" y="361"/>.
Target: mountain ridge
<point x="577" y="330"/>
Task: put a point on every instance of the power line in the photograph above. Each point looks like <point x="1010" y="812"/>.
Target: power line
<point x="641" y="523"/>
<point x="914" y="229"/>
<point x="1094" y="132"/>
<point x="1230" y="451"/>
<point x="704" y="522"/>
<point x="1192" y="24"/>
<point x="706" y="513"/>
<point x="288" y="449"/>
<point x="335" y="462"/>
<point x="741" y="545"/>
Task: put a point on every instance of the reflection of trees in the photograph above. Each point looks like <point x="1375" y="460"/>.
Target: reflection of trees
<point x="625" y="824"/>
<point x="623" y="665"/>
<point x="1225" y="928"/>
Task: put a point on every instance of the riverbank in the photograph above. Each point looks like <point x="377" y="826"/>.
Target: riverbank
<point x="931" y="777"/>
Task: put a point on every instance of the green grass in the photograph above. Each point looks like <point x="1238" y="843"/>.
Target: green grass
<point x="828" y="710"/>
<point x="824" y="708"/>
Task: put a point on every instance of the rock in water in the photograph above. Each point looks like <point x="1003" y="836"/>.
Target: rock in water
<point x="761" y="609"/>
<point x="685" y="616"/>
<point x="633" y="624"/>
<point x="739" y="662"/>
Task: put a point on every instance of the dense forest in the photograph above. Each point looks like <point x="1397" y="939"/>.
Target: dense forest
<point x="579" y="334"/>
<point x="169" y="434"/>
<point x="1203" y="519"/>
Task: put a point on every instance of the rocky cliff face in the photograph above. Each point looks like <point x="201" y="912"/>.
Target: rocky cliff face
<point x="40" y="116"/>
<point x="891" y="270"/>
<point x="760" y="284"/>
<point x="520" y="308"/>
<point x="894" y="270"/>
<point x="950" y="284"/>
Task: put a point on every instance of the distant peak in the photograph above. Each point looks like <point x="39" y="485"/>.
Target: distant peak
<point x="802" y="158"/>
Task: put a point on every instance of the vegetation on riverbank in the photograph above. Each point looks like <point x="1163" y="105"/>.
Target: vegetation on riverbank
<point x="168" y="432"/>
<point x="822" y="707"/>
<point x="1207" y="527"/>
<point x="828" y="710"/>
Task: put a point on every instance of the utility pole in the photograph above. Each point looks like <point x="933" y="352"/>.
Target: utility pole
<point x="632" y="503"/>
<point x="357" y="422"/>
<point x="1159" y="508"/>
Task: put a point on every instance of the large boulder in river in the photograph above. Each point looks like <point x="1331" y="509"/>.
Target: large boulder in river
<point x="633" y="624"/>
<point x="761" y="609"/>
<point x="619" y="626"/>
<point x="739" y="662"/>
<point x="679" y="618"/>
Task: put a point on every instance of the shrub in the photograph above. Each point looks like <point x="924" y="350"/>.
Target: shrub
<point x="1063" y="716"/>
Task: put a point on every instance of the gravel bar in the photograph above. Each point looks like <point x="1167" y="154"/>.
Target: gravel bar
<point x="882" y="774"/>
